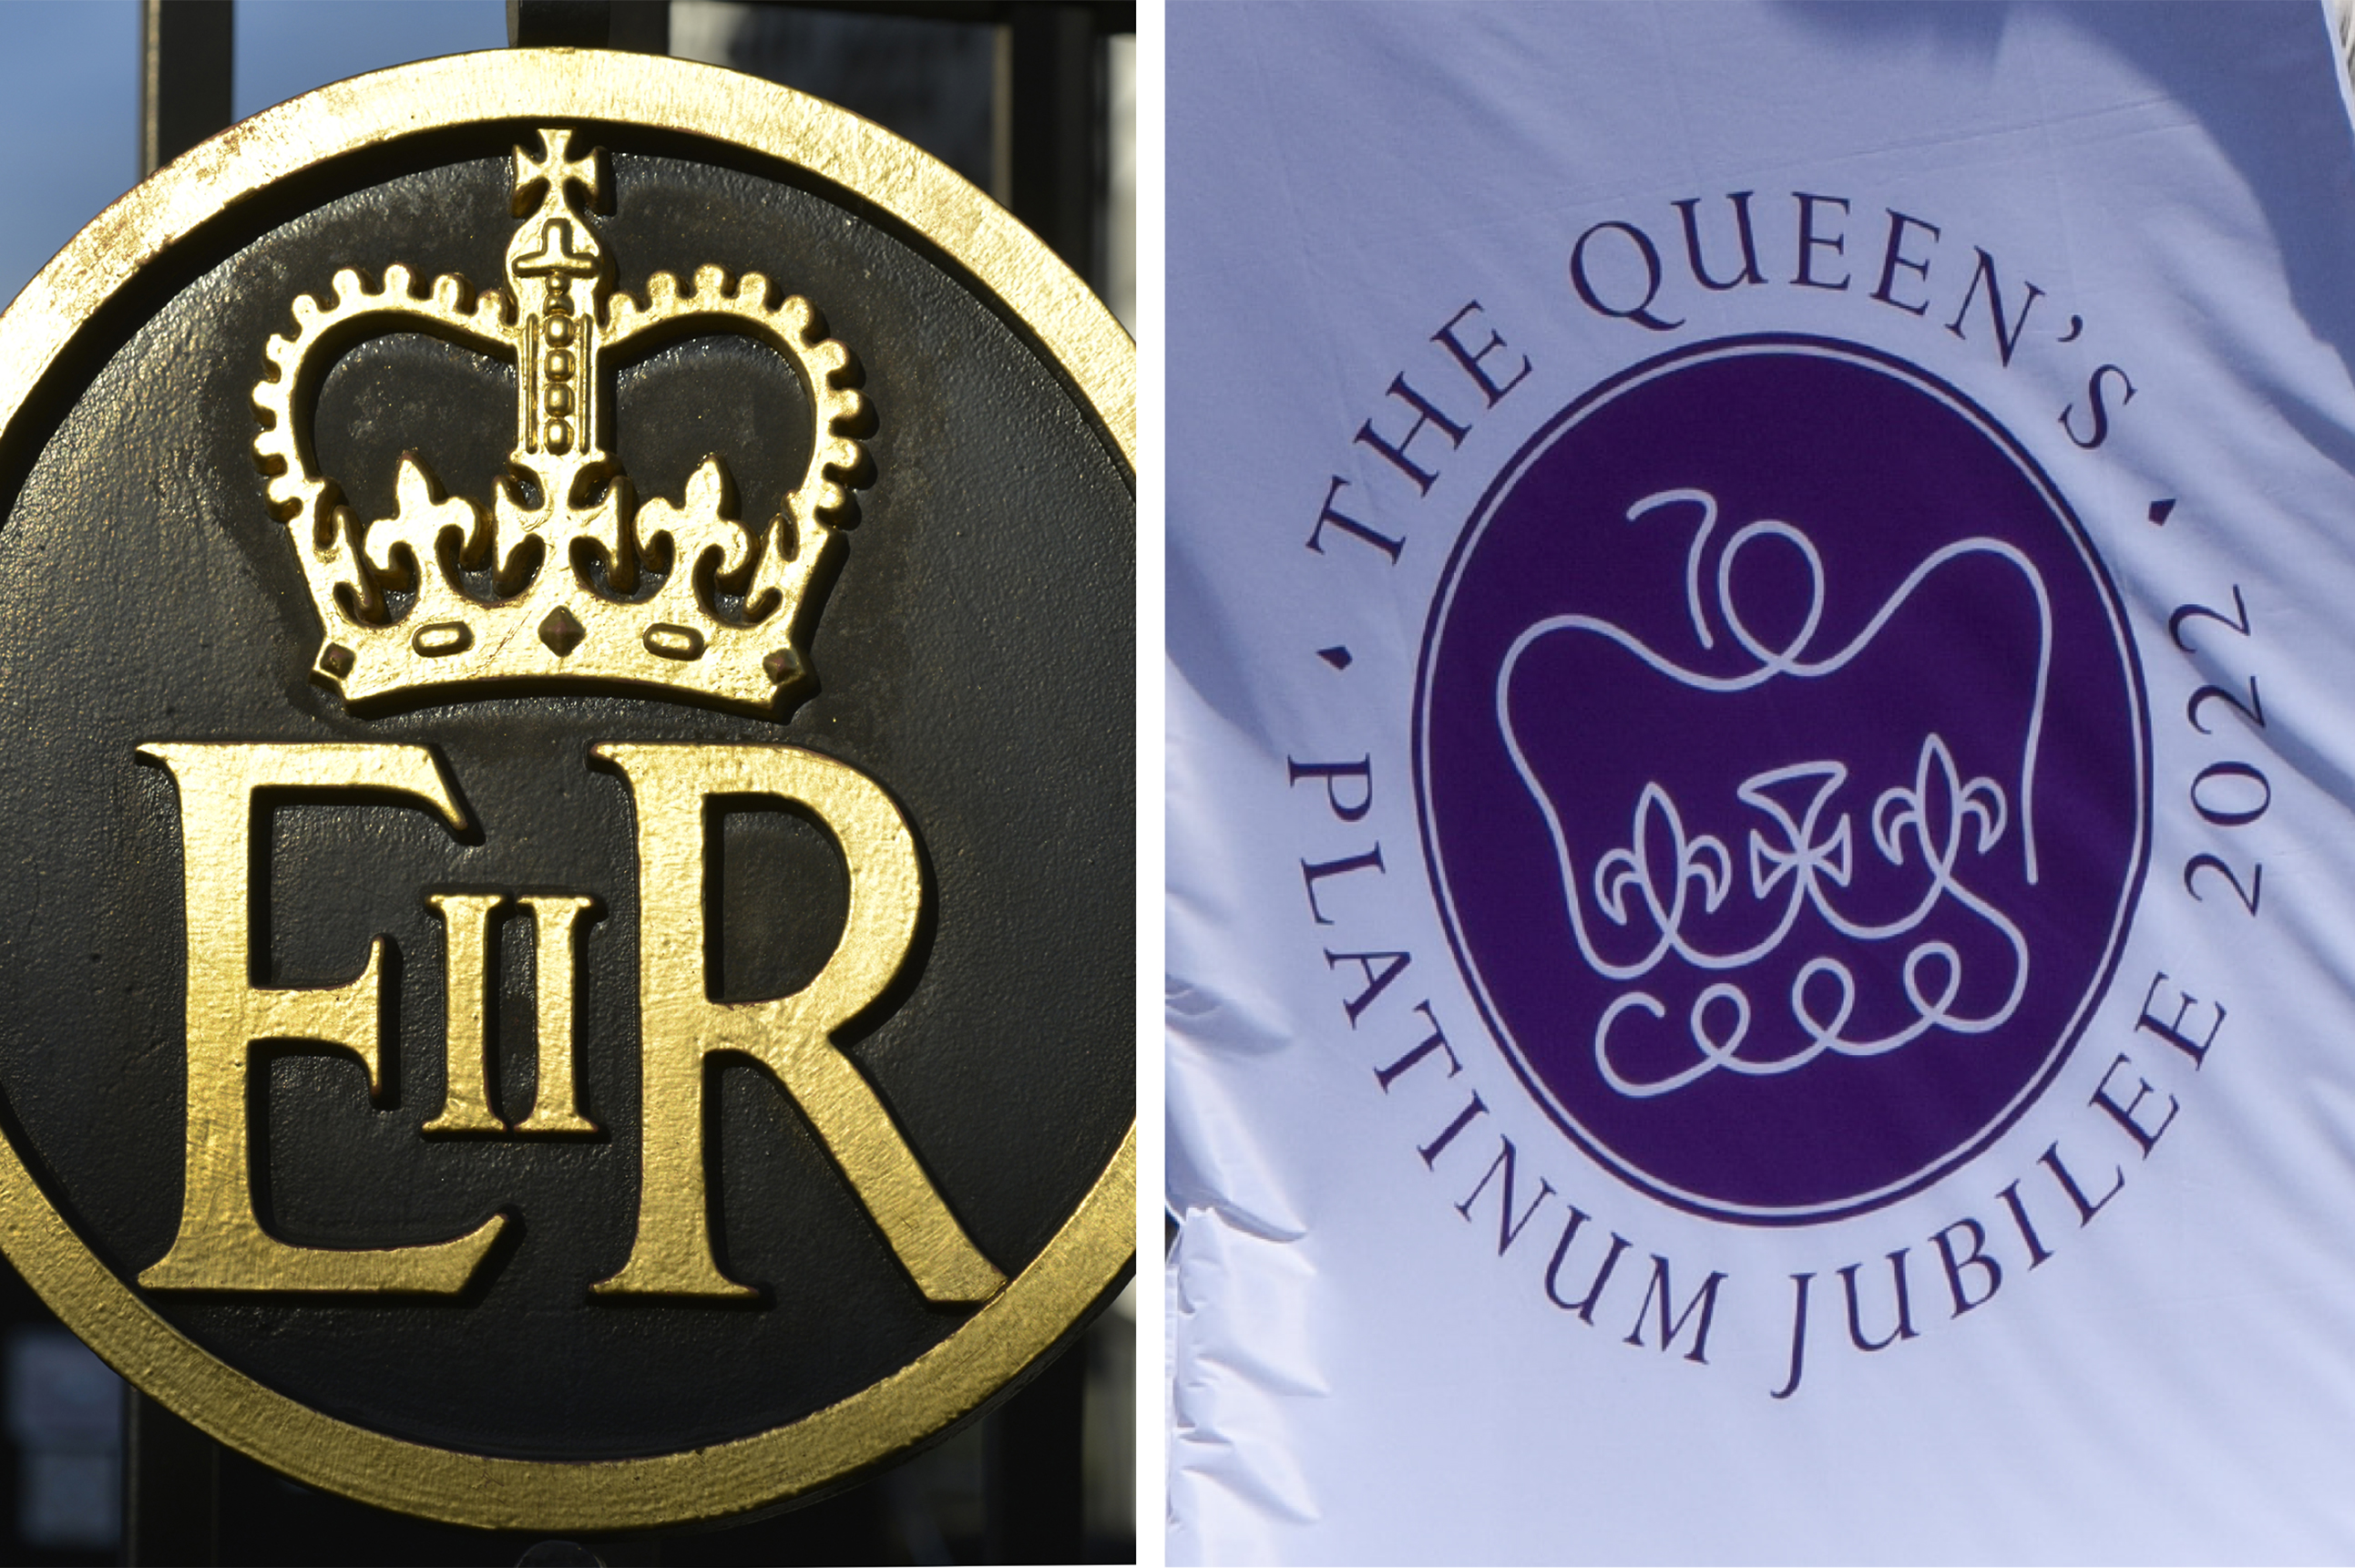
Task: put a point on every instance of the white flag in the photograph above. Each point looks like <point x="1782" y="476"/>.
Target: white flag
<point x="1762" y="737"/>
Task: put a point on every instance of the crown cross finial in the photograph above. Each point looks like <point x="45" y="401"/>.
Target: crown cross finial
<point x="561" y="542"/>
<point x="556" y="390"/>
<point x="543" y="179"/>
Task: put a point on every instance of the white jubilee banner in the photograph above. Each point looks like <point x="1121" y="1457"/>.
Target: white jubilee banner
<point x="1762" y="783"/>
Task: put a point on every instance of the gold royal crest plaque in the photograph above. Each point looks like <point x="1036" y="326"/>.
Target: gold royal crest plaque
<point x="566" y="770"/>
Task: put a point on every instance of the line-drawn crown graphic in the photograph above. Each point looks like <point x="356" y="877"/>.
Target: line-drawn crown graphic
<point x="562" y="545"/>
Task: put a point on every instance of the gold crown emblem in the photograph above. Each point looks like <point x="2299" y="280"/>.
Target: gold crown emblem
<point x="717" y="615"/>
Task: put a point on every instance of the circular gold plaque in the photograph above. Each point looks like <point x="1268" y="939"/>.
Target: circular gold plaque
<point x="338" y="636"/>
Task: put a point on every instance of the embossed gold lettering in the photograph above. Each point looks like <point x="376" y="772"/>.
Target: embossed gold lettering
<point x="221" y="1245"/>
<point x="791" y="1036"/>
<point x="466" y="1105"/>
<point x="466" y="1092"/>
<point x="556" y="919"/>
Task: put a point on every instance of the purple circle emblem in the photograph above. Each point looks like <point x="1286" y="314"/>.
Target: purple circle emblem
<point x="1780" y="753"/>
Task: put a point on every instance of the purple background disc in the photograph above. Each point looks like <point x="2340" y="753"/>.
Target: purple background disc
<point x="1781" y="762"/>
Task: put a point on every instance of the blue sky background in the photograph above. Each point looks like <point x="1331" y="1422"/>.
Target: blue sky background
<point x="69" y="91"/>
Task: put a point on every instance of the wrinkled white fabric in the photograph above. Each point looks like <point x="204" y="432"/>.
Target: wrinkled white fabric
<point x="1364" y="1369"/>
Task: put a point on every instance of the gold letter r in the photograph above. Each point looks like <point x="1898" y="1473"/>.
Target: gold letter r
<point x="791" y="1036"/>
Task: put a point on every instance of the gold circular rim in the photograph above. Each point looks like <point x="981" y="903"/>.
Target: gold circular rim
<point x="1072" y="329"/>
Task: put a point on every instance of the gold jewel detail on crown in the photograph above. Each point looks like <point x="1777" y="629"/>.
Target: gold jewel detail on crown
<point x="562" y="544"/>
